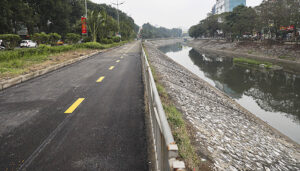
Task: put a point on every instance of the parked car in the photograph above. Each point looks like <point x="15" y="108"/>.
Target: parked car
<point x="2" y="47"/>
<point x="28" y="43"/>
<point x="60" y="42"/>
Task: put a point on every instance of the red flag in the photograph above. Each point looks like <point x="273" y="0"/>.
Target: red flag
<point x="83" y="25"/>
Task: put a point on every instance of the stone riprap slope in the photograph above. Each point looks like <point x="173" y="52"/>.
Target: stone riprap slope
<point x="230" y="136"/>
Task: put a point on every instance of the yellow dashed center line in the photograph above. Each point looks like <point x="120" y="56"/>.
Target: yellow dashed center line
<point x="118" y="61"/>
<point x="111" y="68"/>
<point x="122" y="57"/>
<point x="74" y="106"/>
<point x="100" y="79"/>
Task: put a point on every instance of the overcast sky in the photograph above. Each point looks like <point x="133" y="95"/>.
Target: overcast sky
<point x="168" y="13"/>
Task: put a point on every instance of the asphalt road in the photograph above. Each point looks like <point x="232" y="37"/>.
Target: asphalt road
<point x="86" y="116"/>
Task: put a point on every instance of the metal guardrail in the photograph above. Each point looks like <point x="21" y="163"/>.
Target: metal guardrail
<point x="166" y="150"/>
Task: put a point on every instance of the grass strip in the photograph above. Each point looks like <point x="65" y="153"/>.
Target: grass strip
<point x="252" y="62"/>
<point x="16" y="61"/>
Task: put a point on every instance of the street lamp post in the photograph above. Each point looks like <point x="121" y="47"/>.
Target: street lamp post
<point x="118" y="4"/>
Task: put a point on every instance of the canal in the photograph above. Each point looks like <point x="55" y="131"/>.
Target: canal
<point x="273" y="96"/>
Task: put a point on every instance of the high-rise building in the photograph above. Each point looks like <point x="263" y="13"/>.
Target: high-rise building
<point x="213" y="10"/>
<point x="227" y="5"/>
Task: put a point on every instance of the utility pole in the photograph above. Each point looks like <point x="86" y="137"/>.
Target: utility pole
<point x="87" y="33"/>
<point x="85" y="9"/>
<point x="118" y="4"/>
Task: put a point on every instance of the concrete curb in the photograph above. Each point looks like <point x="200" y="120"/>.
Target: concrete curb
<point x="22" y="78"/>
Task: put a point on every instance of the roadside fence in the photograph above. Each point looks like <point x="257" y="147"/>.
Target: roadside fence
<point x="166" y="150"/>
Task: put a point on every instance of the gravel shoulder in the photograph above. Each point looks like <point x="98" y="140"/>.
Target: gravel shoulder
<point x="229" y="135"/>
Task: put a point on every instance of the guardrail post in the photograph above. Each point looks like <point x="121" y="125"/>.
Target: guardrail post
<point x="177" y="165"/>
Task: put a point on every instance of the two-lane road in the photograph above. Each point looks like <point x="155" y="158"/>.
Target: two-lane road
<point x="86" y="116"/>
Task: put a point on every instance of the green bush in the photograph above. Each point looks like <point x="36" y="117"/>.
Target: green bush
<point x="86" y="39"/>
<point x="91" y="45"/>
<point x="53" y="38"/>
<point x="104" y="40"/>
<point x="72" y="38"/>
<point x="107" y="41"/>
<point x="41" y="38"/>
<point x="10" y="41"/>
<point x="110" y="41"/>
<point x="116" y="39"/>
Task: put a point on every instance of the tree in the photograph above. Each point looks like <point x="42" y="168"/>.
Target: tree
<point x="126" y="31"/>
<point x="176" y="32"/>
<point x="14" y="15"/>
<point x="197" y="30"/>
<point x="211" y="24"/>
<point x="266" y="18"/>
<point x="206" y="27"/>
<point x="150" y="31"/>
<point x="225" y="25"/>
<point x="5" y="16"/>
<point x="59" y="16"/>
<point x="241" y="20"/>
<point x="126" y="22"/>
<point x="109" y="27"/>
<point x="94" y="22"/>
<point x="294" y="15"/>
<point x="273" y="15"/>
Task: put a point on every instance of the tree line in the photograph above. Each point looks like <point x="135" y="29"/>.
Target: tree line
<point x="62" y="17"/>
<point x="277" y="20"/>
<point x="149" y="31"/>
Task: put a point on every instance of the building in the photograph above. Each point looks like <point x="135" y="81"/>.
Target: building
<point x="213" y="10"/>
<point x="226" y="5"/>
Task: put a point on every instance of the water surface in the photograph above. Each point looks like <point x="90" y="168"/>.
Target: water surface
<point x="273" y="96"/>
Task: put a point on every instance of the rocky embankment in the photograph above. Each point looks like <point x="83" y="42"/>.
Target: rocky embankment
<point x="287" y="56"/>
<point x="226" y="133"/>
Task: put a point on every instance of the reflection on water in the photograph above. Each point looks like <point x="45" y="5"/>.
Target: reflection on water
<point x="177" y="47"/>
<point x="273" y="96"/>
